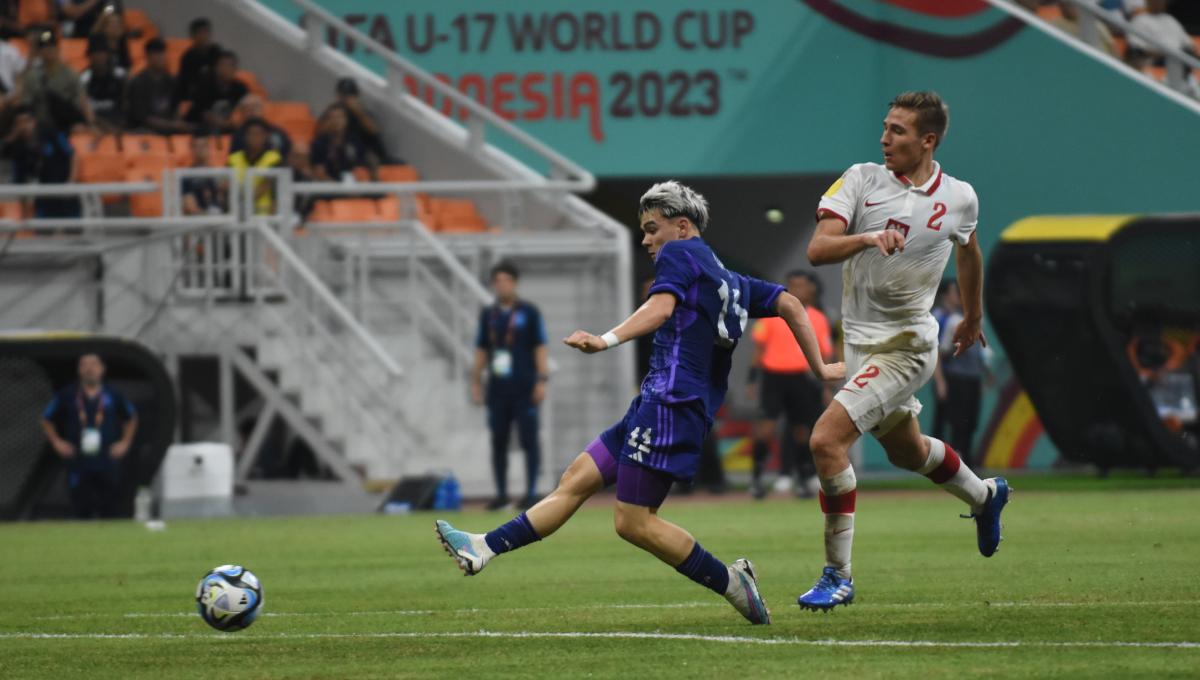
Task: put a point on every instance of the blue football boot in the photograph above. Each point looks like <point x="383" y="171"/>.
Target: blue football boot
<point x="829" y="591"/>
<point x="987" y="518"/>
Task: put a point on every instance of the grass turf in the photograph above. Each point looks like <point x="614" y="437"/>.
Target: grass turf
<point x="375" y="596"/>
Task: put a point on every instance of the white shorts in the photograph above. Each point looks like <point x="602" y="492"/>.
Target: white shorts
<point x="882" y="381"/>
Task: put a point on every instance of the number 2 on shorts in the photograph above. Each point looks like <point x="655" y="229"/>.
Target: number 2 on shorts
<point x="869" y="371"/>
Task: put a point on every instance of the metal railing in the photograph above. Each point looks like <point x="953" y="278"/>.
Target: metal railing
<point x="315" y="21"/>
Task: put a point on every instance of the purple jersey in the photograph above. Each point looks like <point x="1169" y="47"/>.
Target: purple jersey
<point x="692" y="351"/>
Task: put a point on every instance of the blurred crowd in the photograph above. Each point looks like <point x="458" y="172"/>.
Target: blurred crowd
<point x="87" y="69"/>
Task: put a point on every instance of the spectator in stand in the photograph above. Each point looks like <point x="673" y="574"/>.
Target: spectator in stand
<point x="12" y="64"/>
<point x="1069" y="22"/>
<point x="104" y="84"/>
<point x="362" y="124"/>
<point x="197" y="63"/>
<point x="202" y="195"/>
<point x="80" y="16"/>
<point x="251" y="107"/>
<point x="257" y="154"/>
<point x="110" y="33"/>
<point x="216" y="98"/>
<point x="52" y="89"/>
<point x="41" y="155"/>
<point x="1164" y="28"/>
<point x="150" y="96"/>
<point x="91" y="427"/>
<point x="336" y="152"/>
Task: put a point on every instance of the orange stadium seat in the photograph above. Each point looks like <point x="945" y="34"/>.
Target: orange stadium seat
<point x="139" y="23"/>
<point x="398" y="173"/>
<point x="456" y="216"/>
<point x="1049" y="13"/>
<point x="175" y="49"/>
<point x="280" y="112"/>
<point x="148" y="204"/>
<point x="137" y="56"/>
<point x="74" y="53"/>
<point x="35" y="12"/>
<point x="391" y="209"/>
<point x="11" y="210"/>
<point x="181" y="150"/>
<point x="88" y="142"/>
<point x="101" y="166"/>
<point x="322" y="212"/>
<point x="461" y="224"/>
<point x="21" y="44"/>
<point x="300" y="130"/>
<point x="354" y="210"/>
<point x="137" y="145"/>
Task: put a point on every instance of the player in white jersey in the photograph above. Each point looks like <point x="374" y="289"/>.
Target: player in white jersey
<point x="893" y="226"/>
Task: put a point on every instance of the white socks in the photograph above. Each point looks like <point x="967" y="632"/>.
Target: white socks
<point x="838" y="495"/>
<point x="944" y="468"/>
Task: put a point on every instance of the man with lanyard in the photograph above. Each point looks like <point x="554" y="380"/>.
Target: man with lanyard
<point x="91" y="427"/>
<point x="511" y="344"/>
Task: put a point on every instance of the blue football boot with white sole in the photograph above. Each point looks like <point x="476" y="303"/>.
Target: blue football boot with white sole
<point x="829" y="591"/>
<point x="470" y="551"/>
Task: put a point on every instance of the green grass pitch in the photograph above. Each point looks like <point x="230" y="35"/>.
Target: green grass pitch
<point x="1088" y="583"/>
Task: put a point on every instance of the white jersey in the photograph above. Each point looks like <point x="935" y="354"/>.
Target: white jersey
<point x="885" y="296"/>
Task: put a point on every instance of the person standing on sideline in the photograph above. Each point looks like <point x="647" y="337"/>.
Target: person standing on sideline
<point x="959" y="380"/>
<point x="511" y="346"/>
<point x="894" y="226"/>
<point x="91" y="427"/>
<point x="787" y="386"/>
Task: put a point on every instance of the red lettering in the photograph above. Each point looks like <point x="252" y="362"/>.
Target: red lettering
<point x="585" y="91"/>
<point x="502" y="94"/>
<point x="939" y="211"/>
<point x="898" y="226"/>
<point x="557" y="81"/>
<point x="869" y="371"/>
<point x="532" y="94"/>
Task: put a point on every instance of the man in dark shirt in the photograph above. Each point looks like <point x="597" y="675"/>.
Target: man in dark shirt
<point x="104" y="84"/>
<point x="150" y="96"/>
<point x="197" y="63"/>
<point x="51" y="88"/>
<point x="362" y="124"/>
<point x="91" y="427"/>
<point x="335" y="151"/>
<point x="511" y="344"/>
<point x="201" y="195"/>
<point x="216" y="97"/>
<point x="41" y="155"/>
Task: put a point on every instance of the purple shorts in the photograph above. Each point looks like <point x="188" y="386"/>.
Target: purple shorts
<point x="654" y="444"/>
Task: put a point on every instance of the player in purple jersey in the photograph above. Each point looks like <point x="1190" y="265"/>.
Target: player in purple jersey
<point x="697" y="311"/>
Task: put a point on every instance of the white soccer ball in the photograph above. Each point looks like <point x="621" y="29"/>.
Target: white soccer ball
<point x="229" y="598"/>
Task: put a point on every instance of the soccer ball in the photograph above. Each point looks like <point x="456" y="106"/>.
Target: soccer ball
<point x="229" y="598"/>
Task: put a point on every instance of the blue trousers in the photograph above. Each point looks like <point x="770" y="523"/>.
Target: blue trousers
<point x="502" y="412"/>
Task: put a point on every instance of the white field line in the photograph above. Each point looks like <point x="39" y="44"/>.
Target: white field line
<point x="617" y="635"/>
<point x="675" y="605"/>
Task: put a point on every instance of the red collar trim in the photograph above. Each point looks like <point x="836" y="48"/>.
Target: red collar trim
<point x="937" y="181"/>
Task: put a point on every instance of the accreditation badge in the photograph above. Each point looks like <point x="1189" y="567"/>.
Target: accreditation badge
<point x="89" y="444"/>
<point x="502" y="363"/>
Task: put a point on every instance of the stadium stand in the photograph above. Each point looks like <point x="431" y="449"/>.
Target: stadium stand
<point x="365" y="244"/>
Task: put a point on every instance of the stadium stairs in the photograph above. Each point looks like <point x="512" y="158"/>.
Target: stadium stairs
<point x="354" y="326"/>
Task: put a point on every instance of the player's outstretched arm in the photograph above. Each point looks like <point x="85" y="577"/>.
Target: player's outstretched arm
<point x="969" y="259"/>
<point x="831" y="244"/>
<point x="792" y="311"/>
<point x="653" y="313"/>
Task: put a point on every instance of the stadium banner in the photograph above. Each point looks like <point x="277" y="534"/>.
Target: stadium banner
<point x="708" y="88"/>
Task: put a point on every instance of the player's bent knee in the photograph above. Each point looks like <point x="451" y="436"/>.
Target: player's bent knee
<point x="582" y="477"/>
<point x="630" y="524"/>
